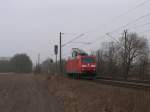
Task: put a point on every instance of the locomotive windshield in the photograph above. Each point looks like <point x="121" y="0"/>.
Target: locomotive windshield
<point x="88" y="60"/>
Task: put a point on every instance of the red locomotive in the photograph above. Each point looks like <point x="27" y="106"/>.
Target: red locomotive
<point x="81" y="65"/>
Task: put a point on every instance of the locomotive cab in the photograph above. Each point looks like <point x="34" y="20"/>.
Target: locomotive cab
<point x="88" y="64"/>
<point x="81" y="64"/>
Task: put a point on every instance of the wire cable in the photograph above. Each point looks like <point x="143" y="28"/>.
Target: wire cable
<point x="125" y="13"/>
<point x="81" y="35"/>
<point x="129" y="23"/>
<point x="139" y="25"/>
<point x="131" y="10"/>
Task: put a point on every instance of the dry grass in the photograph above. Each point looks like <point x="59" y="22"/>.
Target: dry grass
<point x="84" y="96"/>
<point x="40" y="76"/>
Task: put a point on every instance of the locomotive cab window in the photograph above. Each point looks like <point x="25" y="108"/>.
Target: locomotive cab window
<point x="88" y="60"/>
<point x="74" y="54"/>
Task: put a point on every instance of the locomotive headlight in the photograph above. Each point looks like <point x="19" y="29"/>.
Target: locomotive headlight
<point x="84" y="66"/>
<point x="93" y="66"/>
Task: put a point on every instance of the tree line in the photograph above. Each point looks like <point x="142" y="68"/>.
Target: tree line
<point x="126" y="58"/>
<point x="19" y="63"/>
<point x="48" y="66"/>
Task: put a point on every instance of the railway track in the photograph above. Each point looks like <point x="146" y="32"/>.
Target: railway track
<point x="128" y="84"/>
<point x="136" y="84"/>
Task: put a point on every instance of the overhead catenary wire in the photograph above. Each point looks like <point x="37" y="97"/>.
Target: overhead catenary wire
<point x="121" y="15"/>
<point x="145" y="31"/>
<point x="103" y="36"/>
<point x="77" y="37"/>
<point x="93" y="42"/>
<point x="112" y="37"/>
<point x="137" y="26"/>
<point x="127" y="12"/>
<point x="130" y="10"/>
<point x="82" y="43"/>
<point x="123" y="26"/>
<point x="129" y="23"/>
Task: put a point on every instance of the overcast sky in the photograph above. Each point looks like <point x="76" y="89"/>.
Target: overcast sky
<point x="33" y="26"/>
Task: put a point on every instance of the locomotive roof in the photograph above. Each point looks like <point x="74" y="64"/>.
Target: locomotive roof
<point x="79" y="51"/>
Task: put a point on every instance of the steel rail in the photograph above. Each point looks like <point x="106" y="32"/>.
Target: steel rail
<point x="121" y="83"/>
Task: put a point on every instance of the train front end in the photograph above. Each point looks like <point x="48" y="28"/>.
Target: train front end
<point x="81" y="65"/>
<point x="88" y="66"/>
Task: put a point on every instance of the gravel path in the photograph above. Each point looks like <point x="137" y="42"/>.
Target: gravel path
<point x="21" y="93"/>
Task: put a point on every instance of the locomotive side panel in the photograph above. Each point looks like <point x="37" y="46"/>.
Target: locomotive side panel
<point x="73" y="66"/>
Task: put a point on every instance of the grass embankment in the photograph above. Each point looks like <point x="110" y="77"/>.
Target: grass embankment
<point x="84" y="96"/>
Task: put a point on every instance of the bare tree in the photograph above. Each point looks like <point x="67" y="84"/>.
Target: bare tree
<point x="100" y="61"/>
<point x="131" y="48"/>
<point x="106" y="59"/>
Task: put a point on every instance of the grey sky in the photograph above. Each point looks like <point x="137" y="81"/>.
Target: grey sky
<point x="33" y="26"/>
